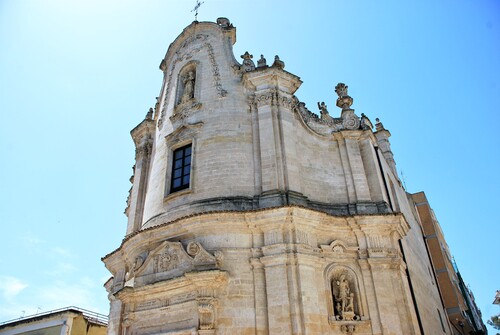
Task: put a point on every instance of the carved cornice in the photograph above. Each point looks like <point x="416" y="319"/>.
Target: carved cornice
<point x="265" y="99"/>
<point x="142" y="131"/>
<point x="161" y="226"/>
<point x="273" y="98"/>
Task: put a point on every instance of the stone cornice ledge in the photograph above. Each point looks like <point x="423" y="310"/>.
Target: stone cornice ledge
<point x="188" y="282"/>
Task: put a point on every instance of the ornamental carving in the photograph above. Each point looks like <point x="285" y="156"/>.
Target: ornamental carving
<point x="183" y="111"/>
<point x="326" y="124"/>
<point x="171" y="260"/>
<point x="248" y="64"/>
<point x="215" y="71"/>
<point x="206" y="310"/>
<point x="339" y="249"/>
<point x="265" y="99"/>
<point x="350" y="120"/>
<point x="145" y="147"/>
<point x="272" y="97"/>
<point x="180" y="57"/>
<point x="286" y="102"/>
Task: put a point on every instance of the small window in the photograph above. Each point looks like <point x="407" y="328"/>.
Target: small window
<point x="181" y="169"/>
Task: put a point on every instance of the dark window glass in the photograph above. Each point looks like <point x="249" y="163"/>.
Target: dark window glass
<point x="181" y="169"/>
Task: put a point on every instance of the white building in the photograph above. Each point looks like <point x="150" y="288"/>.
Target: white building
<point x="249" y="214"/>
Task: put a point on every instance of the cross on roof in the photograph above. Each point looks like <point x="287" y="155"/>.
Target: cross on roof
<point x="195" y="9"/>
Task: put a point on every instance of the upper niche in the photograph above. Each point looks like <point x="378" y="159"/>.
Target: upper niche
<point x="186" y="84"/>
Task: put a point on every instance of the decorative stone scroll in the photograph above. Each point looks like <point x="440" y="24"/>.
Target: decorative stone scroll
<point x="339" y="248"/>
<point x="325" y="124"/>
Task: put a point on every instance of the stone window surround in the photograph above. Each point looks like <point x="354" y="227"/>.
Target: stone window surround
<point x="183" y="155"/>
<point x="180" y="137"/>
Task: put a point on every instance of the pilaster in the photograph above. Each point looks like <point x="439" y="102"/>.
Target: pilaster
<point x="143" y="136"/>
<point x="273" y="89"/>
<point x="382" y="136"/>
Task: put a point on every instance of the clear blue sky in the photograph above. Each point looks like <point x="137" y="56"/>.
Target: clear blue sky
<point x="77" y="76"/>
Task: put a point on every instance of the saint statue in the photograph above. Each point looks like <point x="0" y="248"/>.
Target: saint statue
<point x="344" y="292"/>
<point x="343" y="300"/>
<point x="188" y="92"/>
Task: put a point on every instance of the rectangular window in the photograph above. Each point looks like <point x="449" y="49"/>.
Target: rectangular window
<point x="181" y="169"/>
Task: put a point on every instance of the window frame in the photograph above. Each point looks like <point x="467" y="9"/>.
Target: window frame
<point x="181" y="167"/>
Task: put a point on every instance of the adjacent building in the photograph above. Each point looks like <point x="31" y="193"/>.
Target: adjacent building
<point x="461" y="309"/>
<point x="65" y="321"/>
<point x="251" y="214"/>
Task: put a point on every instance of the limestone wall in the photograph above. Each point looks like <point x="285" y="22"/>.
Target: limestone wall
<point x="291" y="223"/>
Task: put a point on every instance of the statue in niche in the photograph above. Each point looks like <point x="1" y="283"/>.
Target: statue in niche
<point x="189" y="81"/>
<point x="343" y="299"/>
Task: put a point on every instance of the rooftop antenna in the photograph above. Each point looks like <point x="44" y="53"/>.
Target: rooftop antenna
<point x="195" y="9"/>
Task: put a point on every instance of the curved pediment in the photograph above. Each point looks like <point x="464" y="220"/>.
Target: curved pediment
<point x="339" y="248"/>
<point x="170" y="260"/>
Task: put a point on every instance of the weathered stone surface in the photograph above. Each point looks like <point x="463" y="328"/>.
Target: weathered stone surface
<point x="292" y="224"/>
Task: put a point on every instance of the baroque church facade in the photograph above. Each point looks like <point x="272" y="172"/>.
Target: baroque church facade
<point x="249" y="214"/>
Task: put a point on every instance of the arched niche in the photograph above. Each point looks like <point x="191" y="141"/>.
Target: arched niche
<point x="187" y="82"/>
<point x="344" y="294"/>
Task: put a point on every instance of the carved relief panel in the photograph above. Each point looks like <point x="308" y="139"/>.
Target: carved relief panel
<point x="170" y="260"/>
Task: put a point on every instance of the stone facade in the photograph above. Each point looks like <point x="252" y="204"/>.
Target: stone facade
<point x="289" y="222"/>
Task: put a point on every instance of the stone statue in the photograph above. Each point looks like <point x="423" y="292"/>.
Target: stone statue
<point x="324" y="111"/>
<point x="278" y="63"/>
<point x="323" y="108"/>
<point x="261" y="62"/>
<point x="350" y="303"/>
<point x="343" y="300"/>
<point x="188" y="92"/>
<point x="344" y="292"/>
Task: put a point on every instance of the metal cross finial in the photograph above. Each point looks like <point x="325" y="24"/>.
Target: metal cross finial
<point x="195" y="9"/>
